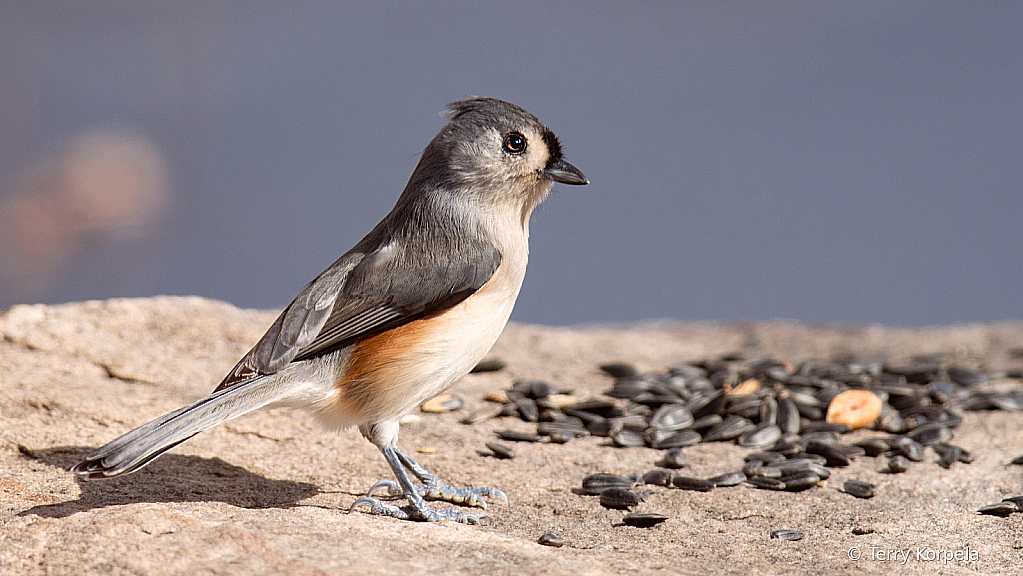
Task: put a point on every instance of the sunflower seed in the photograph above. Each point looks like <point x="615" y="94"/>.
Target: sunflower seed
<point x="762" y="435"/>
<point x="788" y="416"/>
<point x="898" y="464"/>
<point x="536" y="389"/>
<point x="766" y="483"/>
<point x="765" y="457"/>
<point x="730" y="429"/>
<point x="786" y="448"/>
<point x="551" y="540"/>
<point x="1002" y="509"/>
<point x="800" y="481"/>
<point x="689" y="483"/>
<point x="678" y="439"/>
<point x="769" y="410"/>
<point x="625" y="438"/>
<point x="618" y="498"/>
<point x="966" y="457"/>
<point x="704" y="405"/>
<point x="706" y="422"/>
<point x="501" y="450"/>
<point x="824" y="437"/>
<point x="619" y="369"/>
<point x="903" y="446"/>
<point x="489" y="365"/>
<point x="527" y="409"/>
<point x="513" y="436"/>
<point x="873" y="446"/>
<point x="813" y="427"/>
<point x="596" y="406"/>
<point x="601" y="428"/>
<point x="643" y="519"/>
<point x="1017" y="500"/>
<point x="805" y="456"/>
<point x="560" y="436"/>
<point x="727" y="479"/>
<point x="658" y="477"/>
<point x="965" y="376"/>
<point x="597" y="483"/>
<point x="790" y="535"/>
<point x="833" y="455"/>
<point x="859" y="489"/>
<point x="771" y="471"/>
<point x="671" y="417"/>
<point x="572" y="427"/>
<point x="674" y="459"/>
<point x="949" y="454"/>
<point x="929" y="434"/>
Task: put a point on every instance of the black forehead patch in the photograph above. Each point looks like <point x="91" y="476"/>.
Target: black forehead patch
<point x="553" y="146"/>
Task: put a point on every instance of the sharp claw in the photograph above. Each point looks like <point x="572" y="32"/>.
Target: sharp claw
<point x="500" y="495"/>
<point x="379" y="508"/>
<point x="392" y="488"/>
<point x="371" y="501"/>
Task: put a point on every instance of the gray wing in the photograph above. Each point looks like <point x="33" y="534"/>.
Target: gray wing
<point x="364" y="294"/>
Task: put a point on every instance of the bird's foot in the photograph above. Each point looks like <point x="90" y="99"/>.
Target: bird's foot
<point x="434" y="489"/>
<point x="422" y="513"/>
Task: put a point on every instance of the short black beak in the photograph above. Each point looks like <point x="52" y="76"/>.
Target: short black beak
<point x="561" y="171"/>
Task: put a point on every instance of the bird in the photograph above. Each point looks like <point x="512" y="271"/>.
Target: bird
<point x="400" y="317"/>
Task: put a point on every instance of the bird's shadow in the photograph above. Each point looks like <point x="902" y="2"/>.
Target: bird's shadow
<point x="172" y="478"/>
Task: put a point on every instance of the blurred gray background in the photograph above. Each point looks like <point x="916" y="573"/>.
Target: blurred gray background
<point x="828" y="162"/>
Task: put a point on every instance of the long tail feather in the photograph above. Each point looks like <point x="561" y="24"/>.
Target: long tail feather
<point x="139" y="447"/>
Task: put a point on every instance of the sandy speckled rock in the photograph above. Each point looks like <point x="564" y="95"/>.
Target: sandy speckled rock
<point x="268" y="493"/>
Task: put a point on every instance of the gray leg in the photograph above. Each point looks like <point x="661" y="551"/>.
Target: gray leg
<point x="431" y="488"/>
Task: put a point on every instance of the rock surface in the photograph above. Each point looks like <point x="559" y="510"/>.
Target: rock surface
<point x="268" y="493"/>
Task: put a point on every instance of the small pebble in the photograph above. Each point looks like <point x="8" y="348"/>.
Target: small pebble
<point x="551" y="540"/>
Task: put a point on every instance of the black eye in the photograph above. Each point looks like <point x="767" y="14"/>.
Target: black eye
<point x="515" y="143"/>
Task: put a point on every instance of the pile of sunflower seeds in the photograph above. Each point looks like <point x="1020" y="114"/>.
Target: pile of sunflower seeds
<point x="769" y="405"/>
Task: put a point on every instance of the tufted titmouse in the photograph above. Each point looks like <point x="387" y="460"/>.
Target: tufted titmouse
<point x="402" y="315"/>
